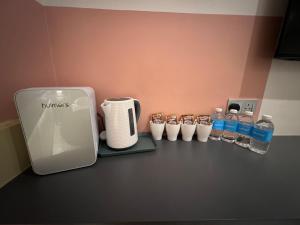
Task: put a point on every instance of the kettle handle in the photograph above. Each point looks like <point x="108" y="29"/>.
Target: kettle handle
<point x="137" y="107"/>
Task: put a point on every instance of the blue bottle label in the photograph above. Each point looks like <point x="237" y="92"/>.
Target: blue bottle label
<point x="262" y="135"/>
<point x="230" y="125"/>
<point x="218" y="125"/>
<point x="244" y="128"/>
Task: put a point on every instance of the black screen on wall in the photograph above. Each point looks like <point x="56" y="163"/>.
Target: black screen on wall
<point x="289" y="40"/>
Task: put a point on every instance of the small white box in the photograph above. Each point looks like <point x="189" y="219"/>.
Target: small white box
<point x="60" y="127"/>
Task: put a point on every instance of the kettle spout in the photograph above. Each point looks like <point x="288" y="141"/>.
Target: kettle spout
<point x="106" y="107"/>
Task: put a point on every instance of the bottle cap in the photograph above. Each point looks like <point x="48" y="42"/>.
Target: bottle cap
<point x="267" y="117"/>
<point x="219" y="109"/>
<point x="234" y="111"/>
<point x="248" y="113"/>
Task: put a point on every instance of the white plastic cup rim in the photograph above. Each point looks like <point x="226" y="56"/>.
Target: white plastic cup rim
<point x="204" y="125"/>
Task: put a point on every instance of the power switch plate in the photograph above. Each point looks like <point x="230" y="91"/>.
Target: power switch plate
<point x="242" y="104"/>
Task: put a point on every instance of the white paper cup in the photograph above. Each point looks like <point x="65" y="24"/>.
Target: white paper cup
<point x="187" y="131"/>
<point x="172" y="131"/>
<point x="203" y="132"/>
<point x="157" y="130"/>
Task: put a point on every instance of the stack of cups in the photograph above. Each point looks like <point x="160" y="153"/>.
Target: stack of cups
<point x="188" y="127"/>
<point x="157" y="125"/>
<point x="204" y="126"/>
<point x="172" y="127"/>
<point x="187" y="123"/>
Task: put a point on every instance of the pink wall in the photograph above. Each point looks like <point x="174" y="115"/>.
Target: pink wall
<point x="24" y="51"/>
<point x="172" y="62"/>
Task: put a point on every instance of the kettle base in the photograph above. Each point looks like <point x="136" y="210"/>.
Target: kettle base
<point x="145" y="144"/>
<point x="122" y="148"/>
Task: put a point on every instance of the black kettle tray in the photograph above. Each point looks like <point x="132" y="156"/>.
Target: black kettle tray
<point x="145" y="144"/>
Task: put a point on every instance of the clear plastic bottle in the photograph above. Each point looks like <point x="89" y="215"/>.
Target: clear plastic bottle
<point x="244" y="129"/>
<point x="230" y="125"/>
<point x="262" y="135"/>
<point x="218" y="125"/>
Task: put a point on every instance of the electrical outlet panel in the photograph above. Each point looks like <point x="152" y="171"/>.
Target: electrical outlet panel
<point x="242" y="105"/>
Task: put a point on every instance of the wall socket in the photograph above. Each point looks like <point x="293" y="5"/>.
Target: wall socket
<point x="242" y="105"/>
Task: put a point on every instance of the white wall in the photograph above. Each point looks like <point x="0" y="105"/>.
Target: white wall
<point x="282" y="97"/>
<point x="226" y="7"/>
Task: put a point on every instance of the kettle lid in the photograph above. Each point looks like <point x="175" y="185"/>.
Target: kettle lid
<point x="118" y="99"/>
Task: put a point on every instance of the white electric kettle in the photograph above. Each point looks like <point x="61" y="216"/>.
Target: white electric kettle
<point x="121" y="116"/>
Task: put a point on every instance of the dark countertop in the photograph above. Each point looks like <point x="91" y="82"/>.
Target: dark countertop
<point x="211" y="183"/>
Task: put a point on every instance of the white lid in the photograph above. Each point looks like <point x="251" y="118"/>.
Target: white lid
<point x="234" y="111"/>
<point x="267" y="117"/>
<point x="248" y="113"/>
<point x="219" y="109"/>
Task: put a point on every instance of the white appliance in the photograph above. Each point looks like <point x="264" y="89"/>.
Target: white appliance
<point x="60" y="127"/>
<point x="121" y="116"/>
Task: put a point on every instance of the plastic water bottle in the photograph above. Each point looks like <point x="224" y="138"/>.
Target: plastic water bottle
<point x="230" y="126"/>
<point x="218" y="125"/>
<point x="262" y="135"/>
<point x="244" y="129"/>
